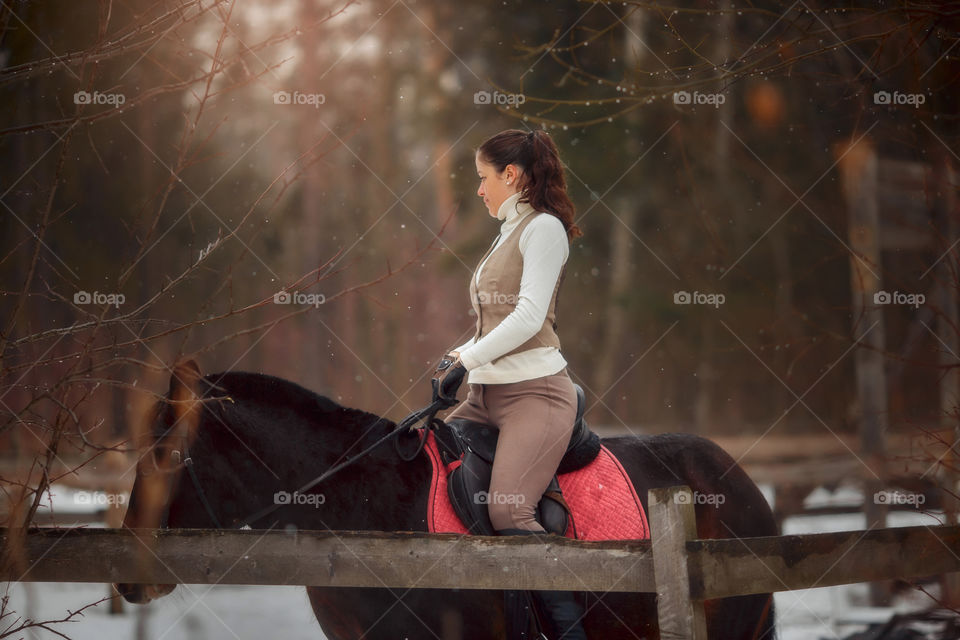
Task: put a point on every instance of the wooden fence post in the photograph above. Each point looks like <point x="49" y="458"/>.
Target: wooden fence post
<point x="114" y="520"/>
<point x="672" y="523"/>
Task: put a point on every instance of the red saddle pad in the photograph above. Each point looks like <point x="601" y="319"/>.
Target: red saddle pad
<point x="601" y="497"/>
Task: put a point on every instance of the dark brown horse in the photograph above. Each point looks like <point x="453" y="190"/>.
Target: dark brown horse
<point x="250" y="436"/>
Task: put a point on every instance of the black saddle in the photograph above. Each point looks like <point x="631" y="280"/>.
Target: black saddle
<point x="474" y="444"/>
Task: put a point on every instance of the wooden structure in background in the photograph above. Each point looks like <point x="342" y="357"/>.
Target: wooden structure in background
<point x="894" y="205"/>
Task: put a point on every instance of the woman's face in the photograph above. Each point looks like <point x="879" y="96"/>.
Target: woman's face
<point x="493" y="186"/>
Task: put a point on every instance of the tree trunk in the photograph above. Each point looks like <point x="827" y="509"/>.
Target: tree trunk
<point x="610" y="359"/>
<point x="858" y="168"/>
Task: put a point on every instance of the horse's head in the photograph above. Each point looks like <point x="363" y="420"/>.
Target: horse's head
<point x="250" y="438"/>
<point x="170" y="431"/>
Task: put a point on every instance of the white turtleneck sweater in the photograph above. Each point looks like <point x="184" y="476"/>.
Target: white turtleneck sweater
<point x="545" y="249"/>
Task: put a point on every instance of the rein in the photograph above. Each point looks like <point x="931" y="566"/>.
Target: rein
<point x="188" y="463"/>
<point x="427" y="414"/>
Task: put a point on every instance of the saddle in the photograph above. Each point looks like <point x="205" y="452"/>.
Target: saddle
<point x="468" y="449"/>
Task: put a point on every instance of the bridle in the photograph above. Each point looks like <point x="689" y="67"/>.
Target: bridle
<point x="184" y="461"/>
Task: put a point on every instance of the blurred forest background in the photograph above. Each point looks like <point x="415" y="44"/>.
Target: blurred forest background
<point x="171" y="168"/>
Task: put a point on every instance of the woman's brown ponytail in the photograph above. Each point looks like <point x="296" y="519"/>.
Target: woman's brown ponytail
<point x="544" y="185"/>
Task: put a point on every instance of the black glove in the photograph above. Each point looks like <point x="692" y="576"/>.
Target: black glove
<point x="447" y="379"/>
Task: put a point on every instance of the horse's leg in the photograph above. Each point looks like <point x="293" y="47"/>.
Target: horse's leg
<point x="377" y="614"/>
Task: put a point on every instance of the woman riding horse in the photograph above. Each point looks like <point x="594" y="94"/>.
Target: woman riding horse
<point x="517" y="376"/>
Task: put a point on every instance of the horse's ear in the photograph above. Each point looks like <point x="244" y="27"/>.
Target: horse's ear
<point x="183" y="380"/>
<point x="185" y="394"/>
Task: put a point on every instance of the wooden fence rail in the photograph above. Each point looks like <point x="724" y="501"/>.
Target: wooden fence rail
<point x="334" y="559"/>
<point x="681" y="570"/>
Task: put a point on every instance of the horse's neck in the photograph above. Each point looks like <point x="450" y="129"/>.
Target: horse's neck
<point x="373" y="492"/>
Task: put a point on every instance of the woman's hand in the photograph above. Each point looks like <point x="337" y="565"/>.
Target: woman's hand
<point x="447" y="378"/>
<point x="447" y="362"/>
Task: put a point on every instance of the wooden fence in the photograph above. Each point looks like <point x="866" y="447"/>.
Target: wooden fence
<point x="682" y="570"/>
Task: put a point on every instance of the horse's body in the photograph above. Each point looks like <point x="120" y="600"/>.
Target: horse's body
<point x="261" y="435"/>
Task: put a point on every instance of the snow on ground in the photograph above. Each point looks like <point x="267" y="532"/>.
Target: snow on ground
<point x="831" y="613"/>
<point x="227" y="612"/>
<point x="239" y="612"/>
<point x="194" y="612"/>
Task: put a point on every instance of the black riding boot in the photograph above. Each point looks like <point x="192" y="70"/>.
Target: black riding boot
<point x="564" y="612"/>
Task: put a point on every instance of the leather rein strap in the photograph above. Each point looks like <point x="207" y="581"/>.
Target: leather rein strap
<point x="188" y="463"/>
<point x="427" y="414"/>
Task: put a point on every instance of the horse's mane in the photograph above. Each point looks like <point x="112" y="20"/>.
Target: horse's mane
<point x="270" y="391"/>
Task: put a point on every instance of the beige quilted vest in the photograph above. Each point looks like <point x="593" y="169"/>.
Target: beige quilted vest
<point x="498" y="292"/>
